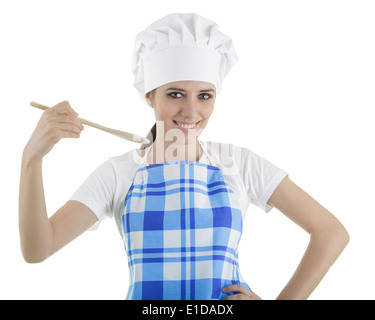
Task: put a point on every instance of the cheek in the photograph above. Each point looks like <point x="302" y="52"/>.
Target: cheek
<point x="166" y="111"/>
<point x="207" y="111"/>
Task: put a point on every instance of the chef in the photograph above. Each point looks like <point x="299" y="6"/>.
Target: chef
<point x="179" y="202"/>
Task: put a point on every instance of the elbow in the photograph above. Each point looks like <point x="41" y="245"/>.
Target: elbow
<point x="345" y="237"/>
<point x="336" y="235"/>
<point x="33" y="260"/>
<point x="32" y="257"/>
<point x="340" y="240"/>
<point x="341" y="235"/>
<point x="34" y="250"/>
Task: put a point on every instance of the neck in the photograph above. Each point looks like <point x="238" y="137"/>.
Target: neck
<point x="165" y="149"/>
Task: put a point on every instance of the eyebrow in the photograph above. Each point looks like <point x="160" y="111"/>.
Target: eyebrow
<point x="178" y="89"/>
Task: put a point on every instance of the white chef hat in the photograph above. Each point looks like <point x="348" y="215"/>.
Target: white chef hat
<point x="178" y="47"/>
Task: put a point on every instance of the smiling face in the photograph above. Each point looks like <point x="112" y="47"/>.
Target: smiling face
<point x="183" y="105"/>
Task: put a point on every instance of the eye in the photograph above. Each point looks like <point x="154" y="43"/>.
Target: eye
<point x="206" y="96"/>
<point x="175" y="95"/>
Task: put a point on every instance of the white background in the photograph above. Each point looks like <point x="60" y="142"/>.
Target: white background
<point x="301" y="96"/>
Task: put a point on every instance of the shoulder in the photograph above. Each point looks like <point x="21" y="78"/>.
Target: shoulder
<point x="234" y="159"/>
<point x="227" y="153"/>
<point x="118" y="167"/>
<point x="128" y="159"/>
<point x="124" y="157"/>
<point x="124" y="167"/>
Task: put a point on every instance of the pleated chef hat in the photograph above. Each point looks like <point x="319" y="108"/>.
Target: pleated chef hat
<point x="178" y="47"/>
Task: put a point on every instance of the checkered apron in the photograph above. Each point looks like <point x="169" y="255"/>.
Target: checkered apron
<point x="181" y="229"/>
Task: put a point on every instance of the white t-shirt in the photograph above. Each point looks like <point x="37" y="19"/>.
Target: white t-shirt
<point x="250" y="176"/>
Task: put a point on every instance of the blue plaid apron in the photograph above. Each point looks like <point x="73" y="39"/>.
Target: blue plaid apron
<point x="181" y="229"/>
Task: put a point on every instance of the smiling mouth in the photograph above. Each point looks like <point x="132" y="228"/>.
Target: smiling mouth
<point x="186" y="125"/>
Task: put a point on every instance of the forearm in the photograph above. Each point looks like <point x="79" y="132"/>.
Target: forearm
<point x="35" y="229"/>
<point x="323" y="250"/>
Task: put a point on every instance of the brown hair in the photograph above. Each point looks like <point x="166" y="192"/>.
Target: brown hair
<point x="151" y="136"/>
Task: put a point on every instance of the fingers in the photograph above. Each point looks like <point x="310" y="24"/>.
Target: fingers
<point x="235" y="288"/>
<point x="58" y="122"/>
<point x="236" y="297"/>
<point x="68" y="134"/>
<point x="63" y="107"/>
<point x="69" y="127"/>
<point x="241" y="293"/>
<point x="241" y="296"/>
<point x="64" y="117"/>
<point x="70" y="120"/>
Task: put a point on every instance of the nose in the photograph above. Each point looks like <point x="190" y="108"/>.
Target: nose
<point x="189" y="109"/>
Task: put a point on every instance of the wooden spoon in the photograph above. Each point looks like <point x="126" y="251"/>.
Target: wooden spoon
<point x="118" y="133"/>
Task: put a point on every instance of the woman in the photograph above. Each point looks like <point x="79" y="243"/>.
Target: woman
<point x="179" y="203"/>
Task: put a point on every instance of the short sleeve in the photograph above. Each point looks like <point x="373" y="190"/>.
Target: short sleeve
<point x="97" y="191"/>
<point x="261" y="177"/>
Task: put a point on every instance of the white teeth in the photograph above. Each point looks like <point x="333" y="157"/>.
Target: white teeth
<point x="186" y="126"/>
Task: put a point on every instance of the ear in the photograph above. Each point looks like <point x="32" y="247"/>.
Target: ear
<point x="148" y="99"/>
